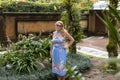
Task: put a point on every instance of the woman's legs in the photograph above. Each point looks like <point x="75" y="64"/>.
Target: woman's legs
<point x="61" y="77"/>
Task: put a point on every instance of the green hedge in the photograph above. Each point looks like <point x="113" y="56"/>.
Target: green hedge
<point x="14" y="6"/>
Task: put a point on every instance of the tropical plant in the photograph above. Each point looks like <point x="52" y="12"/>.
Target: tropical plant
<point x="83" y="63"/>
<point x="24" y="54"/>
<point x="79" y="65"/>
<point x="13" y="6"/>
<point x="85" y="4"/>
<point x="73" y="73"/>
<point x="110" y="20"/>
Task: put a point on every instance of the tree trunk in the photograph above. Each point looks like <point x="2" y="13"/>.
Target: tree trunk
<point x="112" y="44"/>
<point x="112" y="53"/>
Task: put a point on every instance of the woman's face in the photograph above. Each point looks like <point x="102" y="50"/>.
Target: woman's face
<point x="58" y="26"/>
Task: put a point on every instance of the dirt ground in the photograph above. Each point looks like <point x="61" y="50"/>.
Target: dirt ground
<point x="97" y="72"/>
<point x="97" y="42"/>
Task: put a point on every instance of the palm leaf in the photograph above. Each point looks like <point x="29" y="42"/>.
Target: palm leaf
<point x="110" y="26"/>
<point x="114" y="12"/>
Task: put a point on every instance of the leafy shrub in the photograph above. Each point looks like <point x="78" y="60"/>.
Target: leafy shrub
<point x="44" y="74"/>
<point x="28" y="6"/>
<point x="82" y="63"/>
<point x="2" y="60"/>
<point x="73" y="73"/>
<point x="24" y="54"/>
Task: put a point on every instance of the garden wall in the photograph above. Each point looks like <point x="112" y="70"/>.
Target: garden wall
<point x="13" y="24"/>
<point x="24" y="23"/>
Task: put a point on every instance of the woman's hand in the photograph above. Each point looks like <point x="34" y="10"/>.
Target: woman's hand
<point x="50" y="54"/>
<point x="65" y="46"/>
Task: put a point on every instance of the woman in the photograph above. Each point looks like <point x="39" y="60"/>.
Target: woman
<point x="58" y="49"/>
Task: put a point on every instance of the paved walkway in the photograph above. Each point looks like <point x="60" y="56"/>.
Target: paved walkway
<point x="92" y="52"/>
<point x="94" y="46"/>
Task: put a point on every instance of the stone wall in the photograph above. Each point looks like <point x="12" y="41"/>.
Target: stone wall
<point x="24" y="23"/>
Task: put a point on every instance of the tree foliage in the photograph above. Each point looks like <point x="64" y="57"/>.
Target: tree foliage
<point x="110" y="20"/>
<point x="71" y="18"/>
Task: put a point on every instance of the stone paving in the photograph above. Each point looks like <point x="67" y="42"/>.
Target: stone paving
<point x="94" y="46"/>
<point x="92" y="52"/>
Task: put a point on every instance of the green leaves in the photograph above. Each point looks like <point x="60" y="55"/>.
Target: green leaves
<point x="76" y="65"/>
<point x="25" y="52"/>
<point x="71" y="18"/>
<point x="110" y="26"/>
<point x="13" y="6"/>
<point x="73" y="73"/>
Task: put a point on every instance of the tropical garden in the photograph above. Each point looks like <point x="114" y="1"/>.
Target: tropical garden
<point x="29" y="58"/>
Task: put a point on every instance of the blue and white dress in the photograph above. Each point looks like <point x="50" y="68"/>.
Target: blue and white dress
<point x="58" y="55"/>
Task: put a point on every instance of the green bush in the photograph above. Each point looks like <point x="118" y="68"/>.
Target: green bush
<point x="26" y="54"/>
<point x="44" y="74"/>
<point x="23" y="56"/>
<point x="18" y="6"/>
<point x="82" y="63"/>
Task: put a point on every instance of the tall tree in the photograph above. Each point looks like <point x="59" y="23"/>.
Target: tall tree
<point x="73" y="22"/>
<point x="110" y="20"/>
<point x="112" y="45"/>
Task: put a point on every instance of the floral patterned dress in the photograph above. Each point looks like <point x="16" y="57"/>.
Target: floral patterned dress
<point x="58" y="55"/>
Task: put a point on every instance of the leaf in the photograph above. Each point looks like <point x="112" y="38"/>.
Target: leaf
<point x="114" y="12"/>
<point x="110" y="26"/>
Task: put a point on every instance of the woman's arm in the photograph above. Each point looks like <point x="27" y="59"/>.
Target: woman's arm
<point x="70" y="38"/>
<point x="51" y="50"/>
<point x="51" y="46"/>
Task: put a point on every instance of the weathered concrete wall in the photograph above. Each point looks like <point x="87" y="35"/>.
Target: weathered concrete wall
<point x="16" y="24"/>
<point x="27" y="27"/>
<point x="35" y="26"/>
<point x="34" y="23"/>
<point x="10" y="27"/>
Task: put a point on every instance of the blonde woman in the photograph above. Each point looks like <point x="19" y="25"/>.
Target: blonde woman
<point x="58" y="49"/>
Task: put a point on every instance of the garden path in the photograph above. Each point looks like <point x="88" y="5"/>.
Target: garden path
<point x="95" y="46"/>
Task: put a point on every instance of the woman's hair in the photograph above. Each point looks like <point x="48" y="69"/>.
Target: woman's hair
<point x="61" y="23"/>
